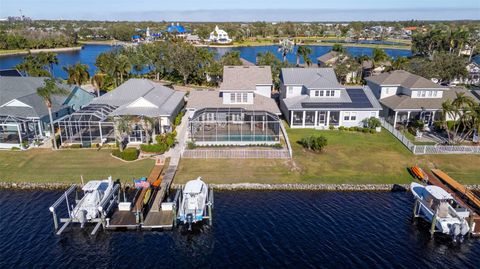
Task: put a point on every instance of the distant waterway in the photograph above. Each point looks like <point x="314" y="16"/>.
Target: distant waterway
<point x="88" y="54"/>
<point x="250" y="230"/>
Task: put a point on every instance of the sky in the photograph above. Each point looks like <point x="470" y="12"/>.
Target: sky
<point x="244" y="10"/>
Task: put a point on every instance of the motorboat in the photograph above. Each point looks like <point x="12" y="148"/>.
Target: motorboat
<point x="438" y="207"/>
<point x="95" y="194"/>
<point x="193" y="202"/>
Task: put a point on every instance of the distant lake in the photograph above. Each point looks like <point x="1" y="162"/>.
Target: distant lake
<point x="90" y="52"/>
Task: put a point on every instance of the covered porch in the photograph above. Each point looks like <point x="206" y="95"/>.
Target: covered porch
<point x="404" y="117"/>
<point x="17" y="131"/>
<point x="317" y="118"/>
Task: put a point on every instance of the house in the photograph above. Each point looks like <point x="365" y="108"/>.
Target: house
<point x="136" y="101"/>
<point x="327" y="59"/>
<point x="313" y="98"/>
<point x="193" y="39"/>
<point x="176" y="29"/>
<point x="240" y="112"/>
<point x="23" y="114"/>
<point x="219" y="36"/>
<point x="473" y="77"/>
<point x="406" y="97"/>
<point x="371" y="69"/>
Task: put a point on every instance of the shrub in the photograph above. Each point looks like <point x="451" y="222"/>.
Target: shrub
<point x="341" y="128"/>
<point x="191" y="145"/>
<point x="129" y="154"/>
<point x="277" y="146"/>
<point x="372" y="123"/>
<point x="154" y="148"/>
<point x="314" y="142"/>
<point x="178" y="119"/>
<point x="75" y="146"/>
<point x="331" y="127"/>
<point x="352" y="129"/>
<point x="15" y="148"/>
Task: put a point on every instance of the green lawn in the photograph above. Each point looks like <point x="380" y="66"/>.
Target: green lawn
<point x="350" y="157"/>
<point x="44" y="165"/>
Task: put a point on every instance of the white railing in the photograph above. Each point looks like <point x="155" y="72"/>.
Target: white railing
<point x="236" y="154"/>
<point x="429" y="149"/>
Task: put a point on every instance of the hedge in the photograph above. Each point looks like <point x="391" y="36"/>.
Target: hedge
<point x="129" y="154"/>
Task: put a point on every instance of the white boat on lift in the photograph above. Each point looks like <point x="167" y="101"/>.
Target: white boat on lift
<point x="95" y="194"/>
<point x="438" y="207"/>
<point x="195" y="199"/>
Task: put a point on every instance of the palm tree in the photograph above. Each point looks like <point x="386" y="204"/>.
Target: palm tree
<point x="47" y="91"/>
<point x="98" y="80"/>
<point x="285" y="47"/>
<point x="122" y="67"/>
<point x="304" y="52"/>
<point x="77" y="74"/>
<point x="51" y="59"/>
<point x="148" y="125"/>
<point x="123" y="127"/>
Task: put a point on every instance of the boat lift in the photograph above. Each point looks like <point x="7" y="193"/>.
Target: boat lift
<point x="104" y="209"/>
<point x="207" y="210"/>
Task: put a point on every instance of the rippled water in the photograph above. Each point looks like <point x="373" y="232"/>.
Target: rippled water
<point x="251" y="229"/>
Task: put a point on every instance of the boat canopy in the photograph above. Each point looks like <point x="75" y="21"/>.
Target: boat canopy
<point x="193" y="186"/>
<point x="95" y="185"/>
<point x="438" y="193"/>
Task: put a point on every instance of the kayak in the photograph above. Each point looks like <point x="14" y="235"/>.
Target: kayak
<point x="418" y="172"/>
<point x="146" y="198"/>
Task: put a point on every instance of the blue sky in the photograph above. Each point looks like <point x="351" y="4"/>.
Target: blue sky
<point x="245" y="10"/>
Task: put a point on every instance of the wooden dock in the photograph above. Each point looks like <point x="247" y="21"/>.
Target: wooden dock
<point x="156" y="217"/>
<point x="133" y="218"/>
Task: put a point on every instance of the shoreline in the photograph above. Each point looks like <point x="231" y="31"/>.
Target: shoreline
<point x="241" y="187"/>
<point x="322" y="44"/>
<point x="33" y="51"/>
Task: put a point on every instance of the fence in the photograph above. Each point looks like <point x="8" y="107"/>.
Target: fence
<point x="429" y="149"/>
<point x="236" y="153"/>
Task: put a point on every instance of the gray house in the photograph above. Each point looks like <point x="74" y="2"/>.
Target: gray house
<point x="406" y="97"/>
<point x="136" y="99"/>
<point x="23" y="113"/>
<point x="313" y="98"/>
<point x="241" y="112"/>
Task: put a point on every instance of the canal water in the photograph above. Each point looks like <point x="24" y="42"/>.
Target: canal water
<point x="250" y="230"/>
<point x="89" y="54"/>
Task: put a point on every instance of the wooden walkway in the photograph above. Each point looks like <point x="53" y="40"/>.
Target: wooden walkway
<point x="459" y="188"/>
<point x="154" y="175"/>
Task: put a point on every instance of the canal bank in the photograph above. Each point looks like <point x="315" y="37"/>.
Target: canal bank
<point x="33" y="51"/>
<point x="240" y="187"/>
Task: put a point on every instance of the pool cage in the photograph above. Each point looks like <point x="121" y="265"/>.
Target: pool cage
<point x="17" y="130"/>
<point x="89" y="125"/>
<point x="234" y="126"/>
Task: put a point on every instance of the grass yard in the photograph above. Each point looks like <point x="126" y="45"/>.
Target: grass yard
<point x="350" y="157"/>
<point x="45" y="165"/>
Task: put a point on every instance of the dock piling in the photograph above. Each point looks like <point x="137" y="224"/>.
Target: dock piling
<point x="434" y="223"/>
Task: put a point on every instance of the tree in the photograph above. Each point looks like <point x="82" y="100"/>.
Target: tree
<point x="98" y="80"/>
<point x="400" y="63"/>
<point x="304" y="52"/>
<point x="338" y="48"/>
<point x="50" y="59"/>
<point x="314" y="142"/>
<point x="231" y="58"/>
<point x="123" y="127"/>
<point x="77" y="73"/>
<point x="448" y="67"/>
<point x="183" y="58"/>
<point x="46" y="92"/>
<point x="464" y="114"/>
<point x="285" y="47"/>
<point x="379" y="55"/>
<point x="269" y="59"/>
<point x="34" y="65"/>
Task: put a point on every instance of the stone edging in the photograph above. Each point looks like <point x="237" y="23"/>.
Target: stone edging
<point x="241" y="186"/>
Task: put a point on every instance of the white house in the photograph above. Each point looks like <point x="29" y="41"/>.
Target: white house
<point x="406" y="97"/>
<point x="313" y="98"/>
<point x="219" y="36"/>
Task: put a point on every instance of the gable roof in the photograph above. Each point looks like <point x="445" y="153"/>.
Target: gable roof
<point x="24" y="90"/>
<point x="405" y="102"/>
<point x="157" y="99"/>
<point x="404" y="79"/>
<point x="312" y="78"/>
<point x="327" y="56"/>
<point x="245" y="77"/>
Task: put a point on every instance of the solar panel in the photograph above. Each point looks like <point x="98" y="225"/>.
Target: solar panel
<point x="358" y="97"/>
<point x="10" y="73"/>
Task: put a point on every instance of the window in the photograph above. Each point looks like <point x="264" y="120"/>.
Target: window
<point x="434" y="93"/>
<point x="332" y="93"/>
<point x="327" y="93"/>
<point x="418" y="93"/>
<point x="317" y="93"/>
<point x="349" y="116"/>
<point x="232" y="97"/>
<point x="429" y="93"/>
<point x="321" y="93"/>
<point x="239" y="97"/>
<point x="245" y="97"/>
<point x="423" y="93"/>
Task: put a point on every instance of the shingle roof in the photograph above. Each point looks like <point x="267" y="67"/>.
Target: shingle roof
<point x="165" y="100"/>
<point x="312" y="78"/>
<point x="404" y="79"/>
<point x="327" y="56"/>
<point x="213" y="99"/>
<point x="245" y="77"/>
<point x="405" y="102"/>
<point x="24" y="89"/>
<point x="358" y="99"/>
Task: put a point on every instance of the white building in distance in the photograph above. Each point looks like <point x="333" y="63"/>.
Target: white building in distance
<point x="219" y="36"/>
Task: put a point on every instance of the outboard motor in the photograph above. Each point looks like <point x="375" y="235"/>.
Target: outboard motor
<point x="82" y="217"/>
<point x="189" y="221"/>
